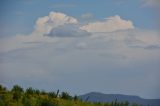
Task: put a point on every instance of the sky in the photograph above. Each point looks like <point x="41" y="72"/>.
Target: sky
<point x="108" y="46"/>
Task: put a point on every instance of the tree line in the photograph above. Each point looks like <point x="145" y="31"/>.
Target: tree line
<point x="17" y="96"/>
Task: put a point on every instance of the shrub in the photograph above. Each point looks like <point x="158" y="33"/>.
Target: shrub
<point x="17" y="88"/>
<point x="46" y="102"/>
<point x="52" y="94"/>
<point x="75" y="98"/>
<point x="30" y="90"/>
<point x="2" y="103"/>
<point x="26" y="101"/>
<point x="65" y="95"/>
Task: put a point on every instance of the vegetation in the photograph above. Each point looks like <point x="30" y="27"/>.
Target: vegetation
<point x="34" y="97"/>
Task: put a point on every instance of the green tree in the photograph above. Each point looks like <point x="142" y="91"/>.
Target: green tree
<point x="2" y="89"/>
<point x="30" y="91"/>
<point x="43" y="92"/>
<point x="52" y="94"/>
<point x="3" y="92"/>
<point x="37" y="91"/>
<point x="17" y="88"/>
<point x="17" y="92"/>
<point x="65" y="95"/>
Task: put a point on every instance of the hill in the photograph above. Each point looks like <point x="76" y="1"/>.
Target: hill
<point x="100" y="97"/>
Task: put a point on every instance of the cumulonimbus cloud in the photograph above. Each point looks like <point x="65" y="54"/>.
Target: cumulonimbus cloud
<point x="58" y="24"/>
<point x="111" y="24"/>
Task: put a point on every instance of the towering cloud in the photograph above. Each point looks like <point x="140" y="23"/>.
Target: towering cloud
<point x="109" y="25"/>
<point x="53" y="20"/>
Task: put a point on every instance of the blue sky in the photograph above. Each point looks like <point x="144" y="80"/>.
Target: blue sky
<point x="20" y="15"/>
<point x="108" y="46"/>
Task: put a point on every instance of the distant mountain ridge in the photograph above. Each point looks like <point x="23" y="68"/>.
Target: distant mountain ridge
<point x="100" y="97"/>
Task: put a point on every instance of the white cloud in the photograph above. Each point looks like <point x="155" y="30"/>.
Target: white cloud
<point x="111" y="24"/>
<point x="58" y="26"/>
<point x="44" y="25"/>
<point x="53" y="20"/>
